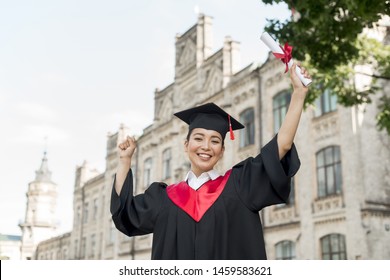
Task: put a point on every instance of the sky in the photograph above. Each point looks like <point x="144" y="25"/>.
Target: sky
<point x="71" y="71"/>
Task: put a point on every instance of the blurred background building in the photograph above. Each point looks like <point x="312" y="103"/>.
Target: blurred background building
<point x="339" y="207"/>
<point x="9" y="247"/>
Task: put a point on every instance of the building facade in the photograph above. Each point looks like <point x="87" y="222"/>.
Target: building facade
<point x="339" y="207"/>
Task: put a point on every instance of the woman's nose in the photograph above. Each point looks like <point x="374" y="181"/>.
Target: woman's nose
<point x="205" y="145"/>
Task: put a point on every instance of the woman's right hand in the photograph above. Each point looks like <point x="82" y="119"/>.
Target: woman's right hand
<point x="125" y="152"/>
<point x="126" y="148"/>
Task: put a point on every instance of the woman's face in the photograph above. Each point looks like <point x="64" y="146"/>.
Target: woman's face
<point x="204" y="149"/>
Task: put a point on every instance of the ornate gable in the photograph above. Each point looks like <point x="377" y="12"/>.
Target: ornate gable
<point x="212" y="80"/>
<point x="186" y="55"/>
<point x="164" y="109"/>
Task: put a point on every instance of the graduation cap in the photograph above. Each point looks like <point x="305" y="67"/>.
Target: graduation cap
<point x="210" y="116"/>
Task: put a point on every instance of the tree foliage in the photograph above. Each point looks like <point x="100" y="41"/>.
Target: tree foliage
<point x="332" y="43"/>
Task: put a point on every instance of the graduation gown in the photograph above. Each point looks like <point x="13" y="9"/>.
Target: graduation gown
<point x="228" y="228"/>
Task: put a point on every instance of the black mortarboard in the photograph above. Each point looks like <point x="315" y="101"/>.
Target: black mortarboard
<point x="210" y="116"/>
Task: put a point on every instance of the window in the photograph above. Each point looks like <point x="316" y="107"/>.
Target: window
<point x="111" y="236"/>
<point x="85" y="216"/>
<point x="78" y="215"/>
<point x="280" y="106"/>
<point x="147" y="172"/>
<point x="285" y="250"/>
<point x="65" y="254"/>
<point x="76" y="249"/>
<point x="247" y="135"/>
<point x="167" y="163"/>
<point x="333" y="247"/>
<point x="100" y="248"/>
<point x="325" y="103"/>
<point x="329" y="177"/>
<point x="93" y="246"/>
<point x="83" y="247"/>
<point x="102" y="206"/>
<point x="95" y="208"/>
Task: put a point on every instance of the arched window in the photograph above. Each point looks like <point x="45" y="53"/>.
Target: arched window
<point x="280" y="106"/>
<point x="329" y="177"/>
<point x="247" y="135"/>
<point x="285" y="250"/>
<point x="333" y="247"/>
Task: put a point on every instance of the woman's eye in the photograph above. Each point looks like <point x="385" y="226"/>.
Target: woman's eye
<point x="198" y="139"/>
<point x="215" y="142"/>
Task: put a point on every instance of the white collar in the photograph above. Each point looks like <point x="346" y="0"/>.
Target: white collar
<point x="212" y="174"/>
<point x="196" y="182"/>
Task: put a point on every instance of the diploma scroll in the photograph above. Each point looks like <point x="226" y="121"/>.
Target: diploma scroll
<point x="279" y="52"/>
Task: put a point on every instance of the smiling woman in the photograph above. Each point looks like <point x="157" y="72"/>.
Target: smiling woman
<point x="204" y="148"/>
<point x="208" y="125"/>
<point x="208" y="215"/>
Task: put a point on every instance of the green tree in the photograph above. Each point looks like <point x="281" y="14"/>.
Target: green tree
<point x="332" y="42"/>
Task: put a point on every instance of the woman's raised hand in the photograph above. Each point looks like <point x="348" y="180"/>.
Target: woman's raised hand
<point x="126" y="148"/>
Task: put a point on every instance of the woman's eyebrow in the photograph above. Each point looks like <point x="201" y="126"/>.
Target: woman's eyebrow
<point x="201" y="134"/>
<point x="215" y="136"/>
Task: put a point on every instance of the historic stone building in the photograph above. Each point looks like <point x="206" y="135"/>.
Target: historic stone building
<point x="40" y="219"/>
<point x="339" y="207"/>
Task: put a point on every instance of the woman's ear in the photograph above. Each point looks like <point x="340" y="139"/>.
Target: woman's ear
<point x="186" y="146"/>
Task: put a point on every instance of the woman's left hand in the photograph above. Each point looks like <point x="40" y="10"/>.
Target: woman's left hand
<point x="296" y="82"/>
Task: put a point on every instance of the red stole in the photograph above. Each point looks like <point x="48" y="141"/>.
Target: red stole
<point x="196" y="203"/>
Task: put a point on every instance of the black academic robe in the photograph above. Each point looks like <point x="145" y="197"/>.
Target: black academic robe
<point x="231" y="226"/>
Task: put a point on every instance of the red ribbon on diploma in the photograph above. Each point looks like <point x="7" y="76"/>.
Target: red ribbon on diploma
<point x="286" y="55"/>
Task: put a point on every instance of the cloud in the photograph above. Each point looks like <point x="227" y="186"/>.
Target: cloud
<point x="50" y="77"/>
<point x="3" y="97"/>
<point x="36" y="134"/>
<point x="136" y="120"/>
<point x="35" y="111"/>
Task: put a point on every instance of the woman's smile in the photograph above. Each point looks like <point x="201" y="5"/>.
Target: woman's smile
<point x="204" y="149"/>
